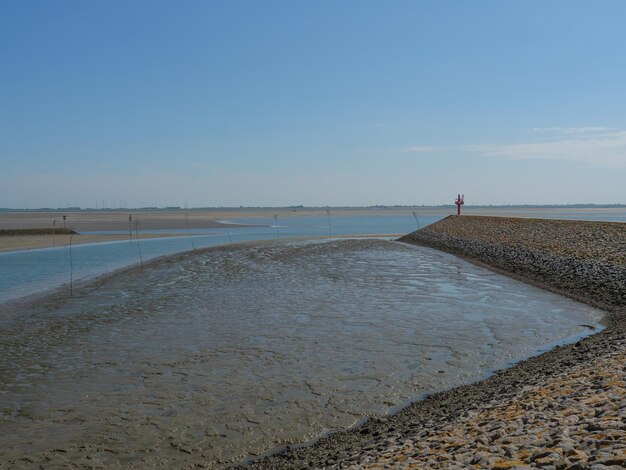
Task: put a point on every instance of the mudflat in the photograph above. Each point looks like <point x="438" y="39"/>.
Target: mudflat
<point x="29" y="242"/>
<point x="85" y="221"/>
<point x="561" y="409"/>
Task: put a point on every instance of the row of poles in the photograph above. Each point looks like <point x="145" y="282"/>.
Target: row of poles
<point x="130" y="234"/>
<point x="193" y="247"/>
<point x="330" y="232"/>
<point x="54" y="243"/>
<point x="130" y="228"/>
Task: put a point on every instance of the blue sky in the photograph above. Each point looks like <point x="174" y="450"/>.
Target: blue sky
<point x="318" y="103"/>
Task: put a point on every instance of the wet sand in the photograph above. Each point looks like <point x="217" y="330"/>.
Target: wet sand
<point x="563" y="409"/>
<point x="30" y="242"/>
<point x="85" y="221"/>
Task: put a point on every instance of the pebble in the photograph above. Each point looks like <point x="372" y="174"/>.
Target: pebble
<point x="591" y="442"/>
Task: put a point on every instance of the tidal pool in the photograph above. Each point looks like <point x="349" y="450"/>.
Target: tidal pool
<point x="219" y="355"/>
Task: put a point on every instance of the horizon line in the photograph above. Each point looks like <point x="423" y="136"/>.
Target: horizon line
<point x="295" y="207"/>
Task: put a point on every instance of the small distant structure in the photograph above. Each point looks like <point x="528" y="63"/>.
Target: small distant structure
<point x="460" y="200"/>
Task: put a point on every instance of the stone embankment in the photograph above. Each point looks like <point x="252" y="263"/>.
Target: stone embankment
<point x="562" y="410"/>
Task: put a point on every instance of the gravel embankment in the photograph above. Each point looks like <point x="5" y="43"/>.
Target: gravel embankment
<point x="565" y="409"/>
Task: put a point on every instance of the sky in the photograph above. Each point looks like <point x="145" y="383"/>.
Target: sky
<point x="319" y="103"/>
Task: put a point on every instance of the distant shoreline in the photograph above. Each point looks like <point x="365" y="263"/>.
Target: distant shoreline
<point x="35" y="242"/>
<point x="177" y="221"/>
<point x="315" y="208"/>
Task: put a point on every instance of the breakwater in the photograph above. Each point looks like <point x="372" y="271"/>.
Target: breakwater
<point x="562" y="409"/>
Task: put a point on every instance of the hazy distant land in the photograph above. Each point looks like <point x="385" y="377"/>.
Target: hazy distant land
<point x="179" y="219"/>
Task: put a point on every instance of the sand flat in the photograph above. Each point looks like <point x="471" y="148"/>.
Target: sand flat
<point x="92" y="220"/>
<point x="89" y="221"/>
<point x="29" y="242"/>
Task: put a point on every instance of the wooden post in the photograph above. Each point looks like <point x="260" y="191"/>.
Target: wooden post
<point x="276" y="225"/>
<point x="328" y="217"/>
<point x="193" y="247"/>
<point x="138" y="244"/>
<point x="71" y="268"/>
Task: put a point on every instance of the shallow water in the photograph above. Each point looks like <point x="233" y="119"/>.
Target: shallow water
<point x="25" y="272"/>
<point x="30" y="271"/>
<point x="216" y="356"/>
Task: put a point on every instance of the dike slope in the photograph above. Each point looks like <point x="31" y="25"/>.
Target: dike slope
<point x="561" y="410"/>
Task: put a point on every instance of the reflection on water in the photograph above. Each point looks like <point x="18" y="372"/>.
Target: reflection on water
<point x="216" y="356"/>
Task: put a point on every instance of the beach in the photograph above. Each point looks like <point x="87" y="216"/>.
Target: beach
<point x="563" y="409"/>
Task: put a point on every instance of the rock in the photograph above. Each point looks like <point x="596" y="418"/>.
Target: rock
<point x="506" y="464"/>
<point x="577" y="466"/>
<point x="619" y="460"/>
